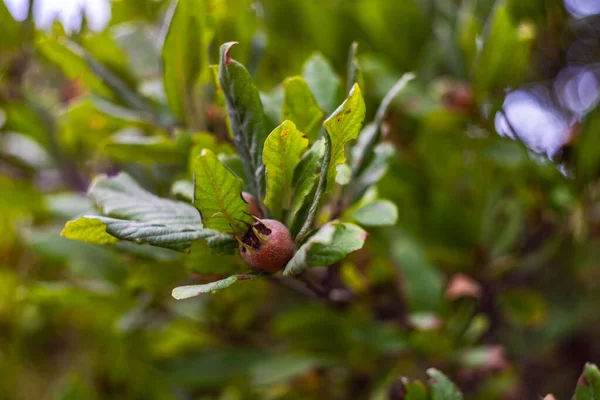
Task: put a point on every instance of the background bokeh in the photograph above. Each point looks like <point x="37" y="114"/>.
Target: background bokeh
<point x="491" y="274"/>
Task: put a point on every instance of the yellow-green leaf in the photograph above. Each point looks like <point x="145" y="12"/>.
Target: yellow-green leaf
<point x="283" y="150"/>
<point x="218" y="195"/>
<point x="300" y="106"/>
<point x="89" y="230"/>
<point x="344" y="125"/>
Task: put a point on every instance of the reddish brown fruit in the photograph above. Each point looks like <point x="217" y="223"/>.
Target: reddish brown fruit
<point x="267" y="245"/>
<point x="252" y="205"/>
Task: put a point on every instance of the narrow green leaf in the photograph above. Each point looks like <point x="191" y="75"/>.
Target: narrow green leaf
<point x="375" y="169"/>
<point x="218" y="195"/>
<point x="370" y="136"/>
<point x="377" y="213"/>
<point x="182" y="55"/>
<point x="246" y="115"/>
<point x="305" y="180"/>
<point x="354" y="72"/>
<point x="343" y="125"/>
<point x="329" y="245"/>
<point x="282" y="153"/>
<point x="300" y="107"/>
<point x="69" y="58"/>
<point x="319" y="193"/>
<point x="588" y="385"/>
<point x="441" y="387"/>
<point x="185" y="292"/>
<point x="323" y="82"/>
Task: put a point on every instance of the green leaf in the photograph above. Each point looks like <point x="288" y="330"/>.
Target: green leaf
<point x="77" y="63"/>
<point x="330" y="244"/>
<point x="174" y="236"/>
<point x="377" y="213"/>
<point x="185" y="292"/>
<point x="414" y="390"/>
<point x="493" y="69"/>
<point x="133" y="214"/>
<point x="370" y="136"/>
<point x="304" y="180"/>
<point x="300" y="107"/>
<point x="422" y="282"/>
<point x="148" y="149"/>
<point x="218" y="195"/>
<point x="588" y="385"/>
<point x="282" y="153"/>
<point x="375" y="169"/>
<point x="354" y="72"/>
<point x="323" y="82"/>
<point x="246" y="115"/>
<point x="182" y="55"/>
<point x="319" y="193"/>
<point x="69" y="57"/>
<point x="343" y="125"/>
<point x="441" y="387"/>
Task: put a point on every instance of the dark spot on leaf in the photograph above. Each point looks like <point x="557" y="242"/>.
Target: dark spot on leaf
<point x="348" y="111"/>
<point x="284" y="133"/>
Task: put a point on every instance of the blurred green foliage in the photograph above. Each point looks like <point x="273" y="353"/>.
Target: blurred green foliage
<point x="490" y="274"/>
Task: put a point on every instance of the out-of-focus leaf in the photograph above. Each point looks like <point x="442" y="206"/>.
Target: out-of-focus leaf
<point x="182" y="56"/>
<point x="203" y="260"/>
<point x="104" y="48"/>
<point x="185" y="292"/>
<point x="300" y="107"/>
<point x="587" y="154"/>
<point x="183" y="189"/>
<point x="282" y="153"/>
<point x="377" y="213"/>
<point x="304" y="180"/>
<point x="329" y="245"/>
<point x="414" y="390"/>
<point x="246" y="116"/>
<point x="523" y="307"/>
<point x="218" y="195"/>
<point x="363" y="151"/>
<point x="588" y="386"/>
<point x="273" y="105"/>
<point x="495" y="70"/>
<point x="77" y="63"/>
<point x="354" y="71"/>
<point x="323" y="82"/>
<point x="148" y="149"/>
<point x="422" y="283"/>
<point x="376" y="168"/>
<point x="12" y="31"/>
<point x="343" y="125"/>
<point x="441" y="387"/>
